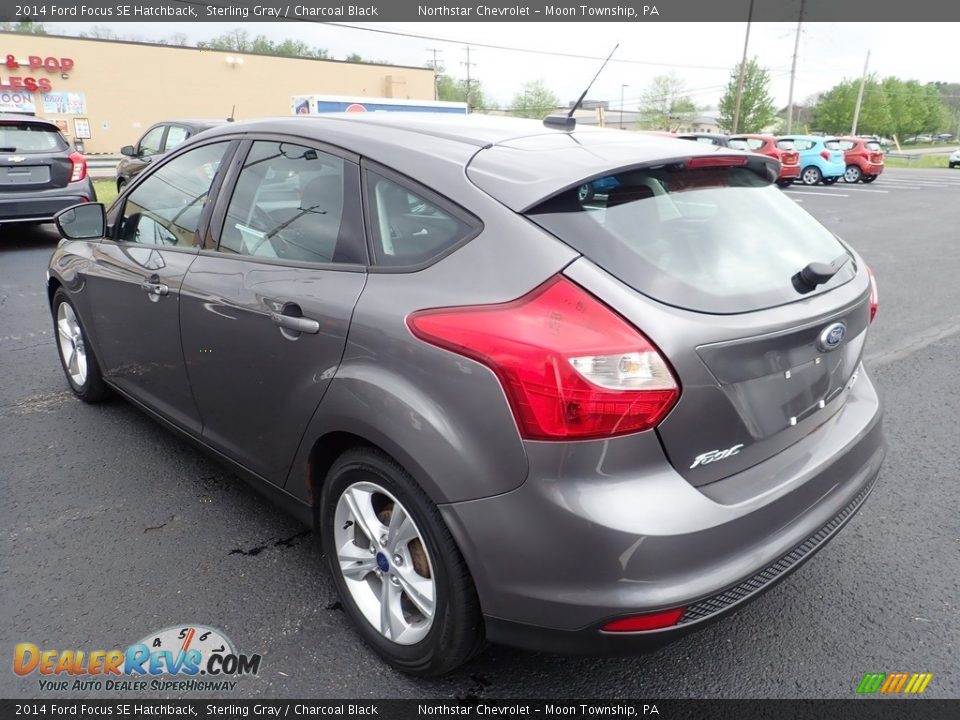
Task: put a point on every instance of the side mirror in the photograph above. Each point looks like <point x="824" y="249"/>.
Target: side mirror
<point x="128" y="150"/>
<point x="82" y="222"/>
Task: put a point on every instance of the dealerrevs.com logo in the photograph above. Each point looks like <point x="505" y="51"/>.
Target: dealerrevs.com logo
<point x="181" y="658"/>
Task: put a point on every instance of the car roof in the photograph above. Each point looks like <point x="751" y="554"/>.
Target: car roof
<point x="16" y="117"/>
<point x="519" y="162"/>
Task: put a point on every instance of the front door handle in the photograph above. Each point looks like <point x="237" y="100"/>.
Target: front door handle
<point x="154" y="288"/>
<point x="295" y="324"/>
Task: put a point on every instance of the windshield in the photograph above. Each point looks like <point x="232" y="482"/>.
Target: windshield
<point x="715" y="240"/>
<point x="30" y="138"/>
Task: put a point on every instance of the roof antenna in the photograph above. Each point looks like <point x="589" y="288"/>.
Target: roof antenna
<point x="568" y="122"/>
<point x="232" y="111"/>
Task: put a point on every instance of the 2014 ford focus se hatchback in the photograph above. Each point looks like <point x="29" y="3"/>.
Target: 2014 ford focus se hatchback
<point x="512" y="411"/>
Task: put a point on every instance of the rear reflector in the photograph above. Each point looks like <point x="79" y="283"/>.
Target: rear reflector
<point x="716" y="161"/>
<point x="78" y="170"/>
<point x="570" y="366"/>
<point x="874" y="295"/>
<point x="650" y="621"/>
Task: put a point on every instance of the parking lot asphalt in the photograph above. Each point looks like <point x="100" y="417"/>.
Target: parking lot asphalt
<point x="111" y="527"/>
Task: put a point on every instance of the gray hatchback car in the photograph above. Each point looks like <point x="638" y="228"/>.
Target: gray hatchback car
<point x="513" y="411"/>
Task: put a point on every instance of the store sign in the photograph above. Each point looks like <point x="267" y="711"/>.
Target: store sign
<point x="64" y="103"/>
<point x="18" y="102"/>
<point x="16" y="80"/>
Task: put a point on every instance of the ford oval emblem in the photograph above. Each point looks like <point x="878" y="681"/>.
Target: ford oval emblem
<point x="832" y="336"/>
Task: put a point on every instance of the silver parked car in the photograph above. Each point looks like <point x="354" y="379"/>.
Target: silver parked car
<point x="512" y="411"/>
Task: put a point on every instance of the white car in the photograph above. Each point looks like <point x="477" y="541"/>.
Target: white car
<point x="955" y="159"/>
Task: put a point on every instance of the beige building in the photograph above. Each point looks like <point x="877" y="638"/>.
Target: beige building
<point x="106" y="93"/>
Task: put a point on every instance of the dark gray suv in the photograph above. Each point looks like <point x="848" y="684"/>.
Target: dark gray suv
<point x="512" y="411"/>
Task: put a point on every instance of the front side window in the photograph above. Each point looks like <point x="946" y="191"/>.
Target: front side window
<point x="407" y="228"/>
<point x="289" y="204"/>
<point x="166" y="207"/>
<point x="150" y="143"/>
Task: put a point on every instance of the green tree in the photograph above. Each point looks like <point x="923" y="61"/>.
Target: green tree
<point x="665" y="104"/>
<point x="535" y="100"/>
<point x="240" y="41"/>
<point x="835" y="109"/>
<point x="757" y="110"/>
<point x="914" y="108"/>
<point x="25" y="27"/>
<point x="453" y="90"/>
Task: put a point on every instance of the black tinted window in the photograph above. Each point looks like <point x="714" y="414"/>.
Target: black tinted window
<point x="290" y="204"/>
<point x="165" y="208"/>
<point x="408" y="228"/>
<point x="30" y="138"/>
<point x="716" y="240"/>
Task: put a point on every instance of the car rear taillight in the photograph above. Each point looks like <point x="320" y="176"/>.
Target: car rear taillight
<point x="650" y="621"/>
<point x="874" y="295"/>
<point x="789" y="158"/>
<point x="825" y="154"/>
<point x="78" y="170"/>
<point x="570" y="366"/>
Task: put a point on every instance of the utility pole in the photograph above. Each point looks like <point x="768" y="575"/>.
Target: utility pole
<point x="856" y="110"/>
<point x="793" y="69"/>
<point x="436" y="72"/>
<point x="621" y="104"/>
<point x="743" y="71"/>
<point x="469" y="65"/>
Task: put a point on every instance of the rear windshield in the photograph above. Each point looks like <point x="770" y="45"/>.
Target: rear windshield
<point x="30" y="138"/>
<point x="714" y="240"/>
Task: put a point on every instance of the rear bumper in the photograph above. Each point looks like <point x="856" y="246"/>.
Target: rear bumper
<point x="871" y="168"/>
<point x="583" y="542"/>
<point x="789" y="172"/>
<point x="42" y="205"/>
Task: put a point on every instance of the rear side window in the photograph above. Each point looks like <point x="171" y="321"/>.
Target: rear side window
<point x="787" y="145"/>
<point x="30" y="138"/>
<point x="715" y="240"/>
<point x="410" y="227"/>
<point x="832" y="145"/>
<point x="846" y="144"/>
<point x="874" y="146"/>
<point x="176" y="135"/>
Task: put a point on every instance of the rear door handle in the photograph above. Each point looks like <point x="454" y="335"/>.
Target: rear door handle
<point x="295" y="324"/>
<point x="154" y="288"/>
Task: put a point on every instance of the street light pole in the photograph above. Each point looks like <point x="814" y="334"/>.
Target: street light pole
<point x="621" y="104"/>
<point x="793" y="70"/>
<point x="863" y="82"/>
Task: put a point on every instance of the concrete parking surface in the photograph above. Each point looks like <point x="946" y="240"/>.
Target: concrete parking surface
<point x="111" y="527"/>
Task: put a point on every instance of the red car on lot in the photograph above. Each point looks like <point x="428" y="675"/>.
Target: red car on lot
<point x="781" y="150"/>
<point x="864" y="159"/>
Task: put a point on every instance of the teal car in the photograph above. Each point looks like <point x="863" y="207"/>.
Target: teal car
<point x="821" y="158"/>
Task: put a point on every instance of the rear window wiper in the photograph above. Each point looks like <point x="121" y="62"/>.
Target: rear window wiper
<point x="817" y="273"/>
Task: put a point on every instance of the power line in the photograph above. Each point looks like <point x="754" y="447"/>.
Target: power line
<point x="511" y="48"/>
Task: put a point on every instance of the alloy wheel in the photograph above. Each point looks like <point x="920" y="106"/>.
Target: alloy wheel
<point x="385" y="564"/>
<point x="72" y="346"/>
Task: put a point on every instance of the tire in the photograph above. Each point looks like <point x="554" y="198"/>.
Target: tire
<point x="369" y="481"/>
<point x="953" y="165"/>
<point x="811" y="175"/>
<point x="77" y="359"/>
<point x="868" y="178"/>
<point x="831" y="180"/>
<point x="784" y="183"/>
<point x="585" y="193"/>
<point x="852" y="174"/>
<point x="121" y="184"/>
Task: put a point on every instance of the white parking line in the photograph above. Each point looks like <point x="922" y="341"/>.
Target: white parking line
<point x="824" y="194"/>
<point x="860" y="189"/>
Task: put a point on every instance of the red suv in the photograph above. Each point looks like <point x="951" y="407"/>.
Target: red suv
<point x="864" y="159"/>
<point x="780" y="150"/>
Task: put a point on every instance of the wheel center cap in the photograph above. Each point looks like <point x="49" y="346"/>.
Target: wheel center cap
<point x="382" y="562"/>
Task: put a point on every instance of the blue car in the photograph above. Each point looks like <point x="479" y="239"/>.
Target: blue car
<point x="821" y="158"/>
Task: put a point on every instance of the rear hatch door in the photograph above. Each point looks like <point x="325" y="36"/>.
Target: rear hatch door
<point x="33" y="156"/>
<point x="706" y="261"/>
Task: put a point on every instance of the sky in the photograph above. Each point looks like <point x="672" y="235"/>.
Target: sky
<point x="701" y="54"/>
